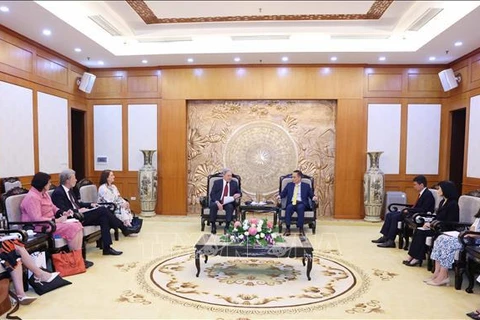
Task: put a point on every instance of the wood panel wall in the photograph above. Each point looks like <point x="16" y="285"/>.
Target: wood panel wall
<point x="25" y="63"/>
<point x="469" y="70"/>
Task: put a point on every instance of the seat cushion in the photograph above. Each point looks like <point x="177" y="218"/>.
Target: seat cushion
<point x="308" y="214"/>
<point x="220" y="213"/>
<point x="87" y="230"/>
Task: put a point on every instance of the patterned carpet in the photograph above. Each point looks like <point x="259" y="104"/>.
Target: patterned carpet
<point x="258" y="286"/>
<point x="155" y="279"/>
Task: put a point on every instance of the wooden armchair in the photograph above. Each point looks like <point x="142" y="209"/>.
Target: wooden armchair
<point x="205" y="201"/>
<point x="409" y="224"/>
<point x="310" y="215"/>
<point x="88" y="193"/>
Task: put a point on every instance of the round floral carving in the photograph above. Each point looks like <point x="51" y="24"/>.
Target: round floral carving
<point x="260" y="152"/>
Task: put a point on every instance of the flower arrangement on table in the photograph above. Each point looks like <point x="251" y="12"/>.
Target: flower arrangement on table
<point x="253" y="232"/>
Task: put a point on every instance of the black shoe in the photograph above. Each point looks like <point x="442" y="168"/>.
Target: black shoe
<point x="413" y="263"/>
<point x="112" y="252"/>
<point x="387" y="244"/>
<point x="88" y="264"/>
<point x="301" y="231"/>
<point x="382" y="239"/>
<point x="128" y="231"/>
<point x="214" y="228"/>
<point x="287" y="232"/>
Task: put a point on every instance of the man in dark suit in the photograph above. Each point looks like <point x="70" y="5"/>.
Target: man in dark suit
<point x="65" y="199"/>
<point x="222" y="189"/>
<point x="425" y="203"/>
<point x="298" y="195"/>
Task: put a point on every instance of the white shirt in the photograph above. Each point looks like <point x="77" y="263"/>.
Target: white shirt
<point x="223" y="188"/>
<point x="67" y="191"/>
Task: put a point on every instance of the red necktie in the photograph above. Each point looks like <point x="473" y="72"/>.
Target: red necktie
<point x="225" y="191"/>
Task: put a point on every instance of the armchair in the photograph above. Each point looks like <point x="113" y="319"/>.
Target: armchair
<point x="406" y="227"/>
<point x="205" y="201"/>
<point x="10" y="183"/>
<point x="471" y="254"/>
<point x="310" y="214"/>
<point x="88" y="192"/>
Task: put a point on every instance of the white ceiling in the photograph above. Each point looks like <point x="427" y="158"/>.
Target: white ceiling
<point x="210" y="43"/>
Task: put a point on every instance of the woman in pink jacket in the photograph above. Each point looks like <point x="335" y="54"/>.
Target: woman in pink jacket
<point x="37" y="206"/>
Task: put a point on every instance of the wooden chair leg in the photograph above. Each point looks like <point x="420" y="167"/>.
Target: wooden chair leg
<point x="115" y="234"/>
<point x="470" y="273"/>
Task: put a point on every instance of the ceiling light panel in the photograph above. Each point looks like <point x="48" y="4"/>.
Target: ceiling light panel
<point x="105" y="25"/>
<point x="425" y="18"/>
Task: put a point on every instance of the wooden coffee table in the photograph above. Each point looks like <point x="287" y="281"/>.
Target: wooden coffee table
<point x="293" y="247"/>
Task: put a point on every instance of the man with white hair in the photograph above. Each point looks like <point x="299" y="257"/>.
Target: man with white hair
<point x="64" y="198"/>
<point x="222" y="191"/>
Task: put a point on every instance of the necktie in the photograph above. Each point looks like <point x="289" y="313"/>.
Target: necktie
<point x="225" y="191"/>
<point x="295" y="192"/>
<point x="72" y="199"/>
<point x="416" y="200"/>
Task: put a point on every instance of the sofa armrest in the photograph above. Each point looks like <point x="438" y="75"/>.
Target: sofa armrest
<point x="48" y="226"/>
<point x="394" y="206"/>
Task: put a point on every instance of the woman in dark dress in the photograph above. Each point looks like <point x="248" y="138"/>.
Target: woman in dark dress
<point x="447" y="212"/>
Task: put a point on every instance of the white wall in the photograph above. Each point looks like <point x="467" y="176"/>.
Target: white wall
<point x="16" y="131"/>
<point x="142" y="133"/>
<point x="107" y="136"/>
<point x="383" y="134"/>
<point x="473" y="157"/>
<point x="52" y="133"/>
<point x="423" y="138"/>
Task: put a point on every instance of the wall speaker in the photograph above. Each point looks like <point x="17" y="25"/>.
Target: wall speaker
<point x="449" y="79"/>
<point x="85" y="83"/>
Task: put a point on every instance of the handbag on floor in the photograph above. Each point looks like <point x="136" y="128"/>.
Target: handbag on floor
<point x="69" y="263"/>
<point x="44" y="287"/>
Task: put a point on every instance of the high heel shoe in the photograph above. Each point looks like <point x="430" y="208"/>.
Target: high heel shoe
<point x="414" y="263"/>
<point x="427" y="280"/>
<point x="444" y="282"/>
<point x="26" y="300"/>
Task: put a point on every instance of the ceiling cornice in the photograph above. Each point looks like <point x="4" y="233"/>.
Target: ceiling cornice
<point x="375" y="12"/>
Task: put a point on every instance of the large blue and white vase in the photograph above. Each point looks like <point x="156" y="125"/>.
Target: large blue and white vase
<point x="147" y="184"/>
<point x="373" y="188"/>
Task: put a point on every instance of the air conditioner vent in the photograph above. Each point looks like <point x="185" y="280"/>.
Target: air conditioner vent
<point x="428" y="15"/>
<point x="260" y="37"/>
<point x="359" y="36"/>
<point x="105" y="25"/>
<point x="165" y="40"/>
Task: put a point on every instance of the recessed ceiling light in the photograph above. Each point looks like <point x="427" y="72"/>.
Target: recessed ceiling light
<point x="284" y="59"/>
<point x="382" y="59"/>
<point x="144" y="61"/>
<point x="333" y="58"/>
<point x="236" y="59"/>
<point x="458" y="43"/>
<point x="190" y="60"/>
<point x="101" y="63"/>
<point x="432" y="58"/>
<point x="4" y="9"/>
<point x="46" y="32"/>
<point x="78" y="50"/>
